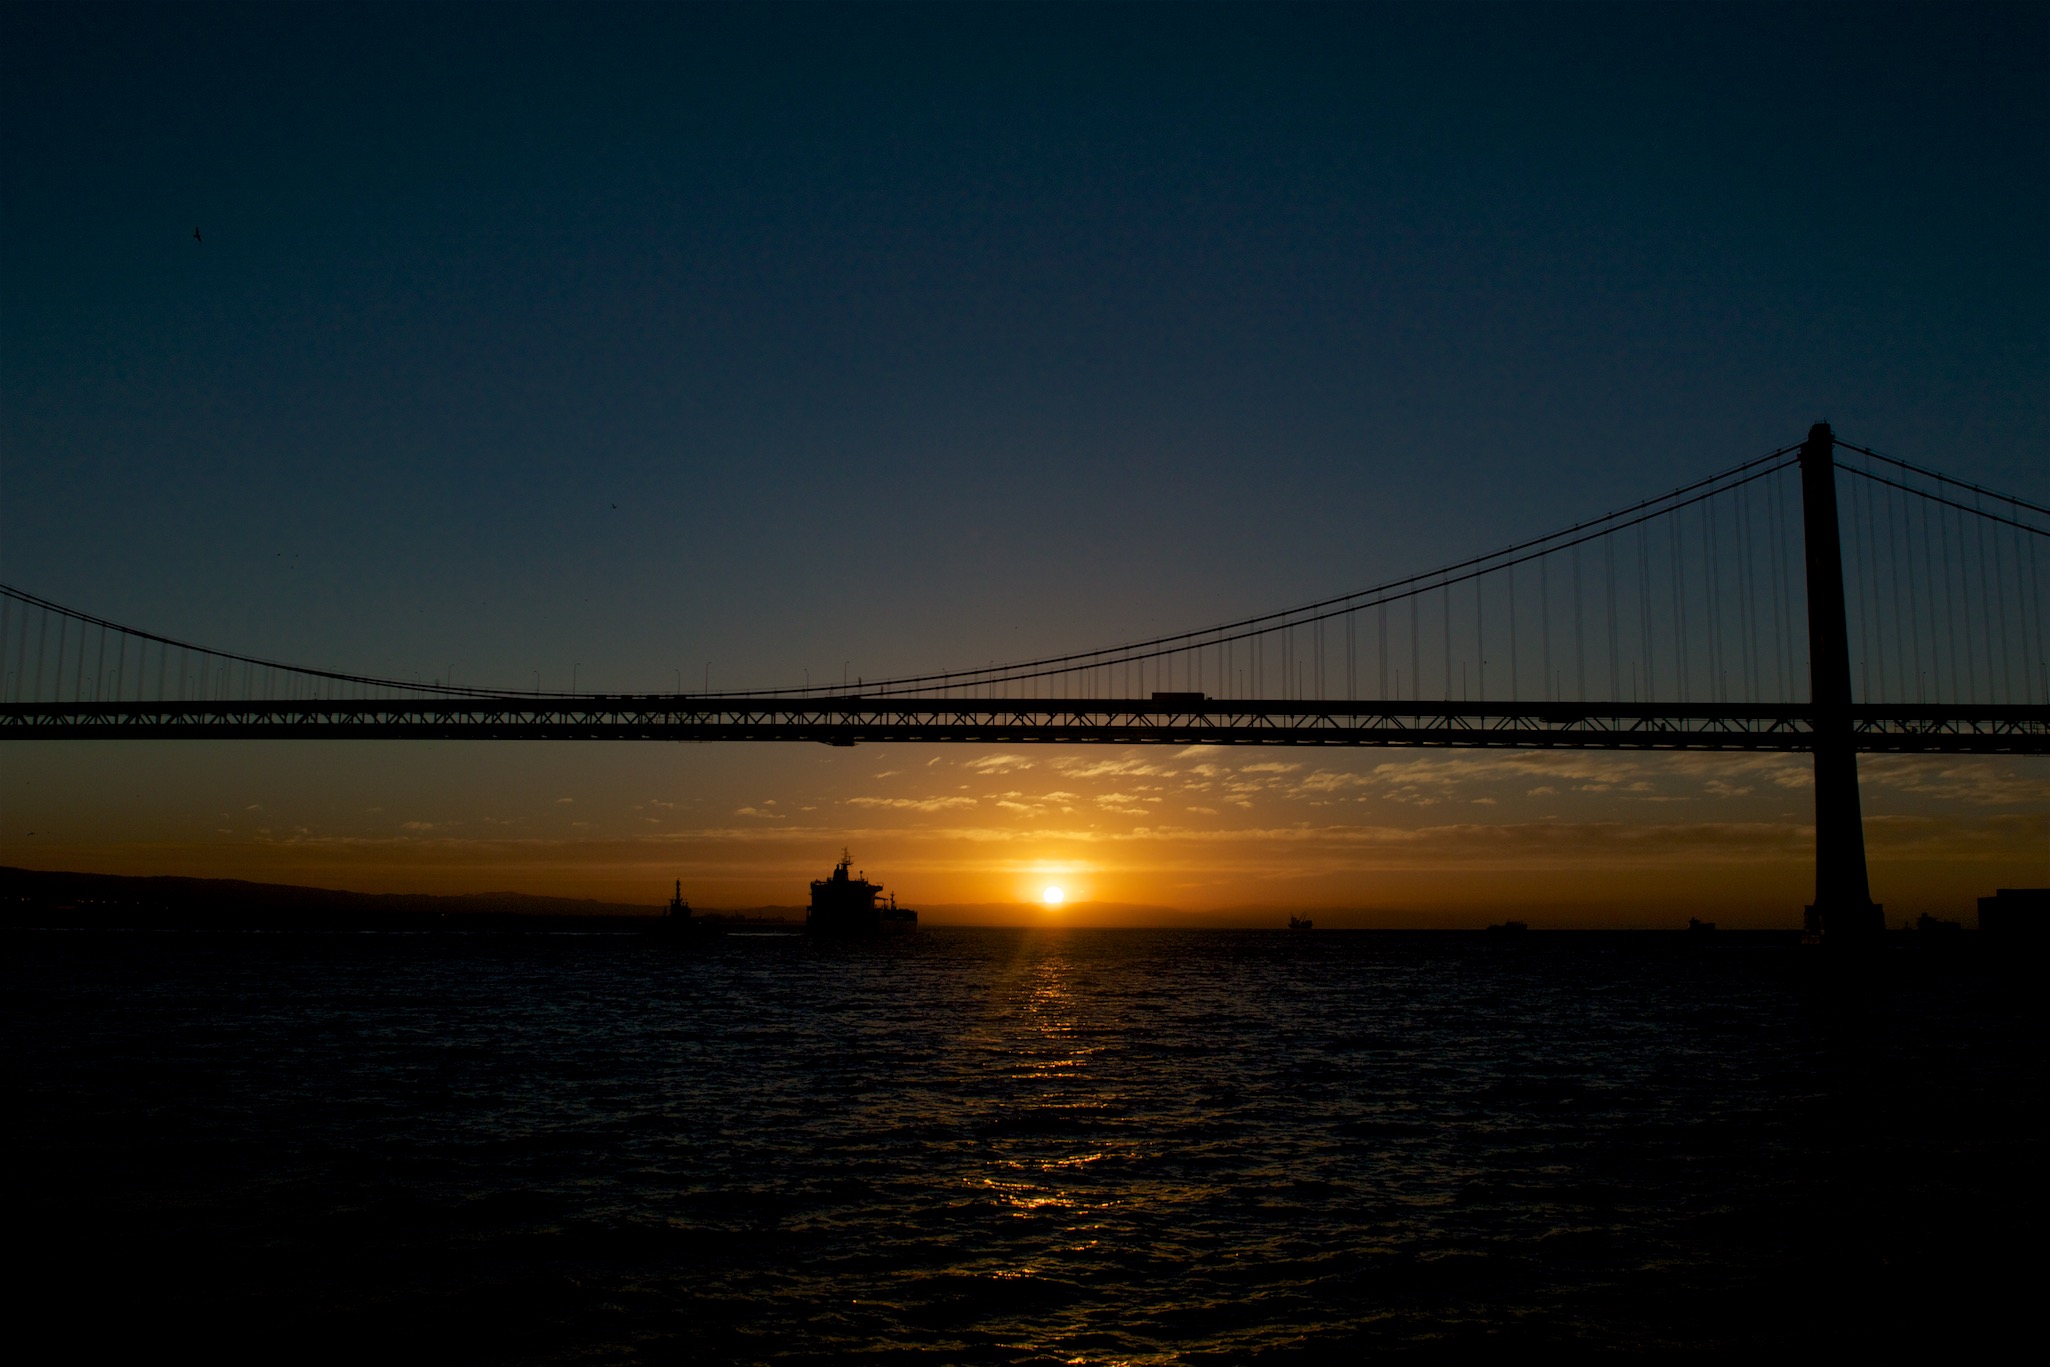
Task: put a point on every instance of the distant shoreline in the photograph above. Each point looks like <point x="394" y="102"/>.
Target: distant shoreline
<point x="36" y="898"/>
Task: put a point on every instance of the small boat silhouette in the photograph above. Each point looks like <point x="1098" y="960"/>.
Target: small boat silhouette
<point x="680" y="922"/>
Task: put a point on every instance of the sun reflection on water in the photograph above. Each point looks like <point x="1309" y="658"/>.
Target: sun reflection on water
<point x="1060" y="1145"/>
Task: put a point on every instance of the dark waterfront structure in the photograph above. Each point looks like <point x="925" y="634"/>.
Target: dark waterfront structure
<point x="2016" y="916"/>
<point x="843" y="905"/>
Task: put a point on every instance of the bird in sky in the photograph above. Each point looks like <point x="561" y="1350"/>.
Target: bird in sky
<point x="196" y="237"/>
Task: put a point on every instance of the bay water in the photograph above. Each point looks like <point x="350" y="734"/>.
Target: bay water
<point x="1017" y="1146"/>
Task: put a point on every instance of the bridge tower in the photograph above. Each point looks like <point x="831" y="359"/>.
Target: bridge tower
<point x="1843" y="908"/>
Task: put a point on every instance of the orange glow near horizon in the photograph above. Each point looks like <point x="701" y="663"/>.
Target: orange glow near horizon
<point x="1130" y="836"/>
<point x="1052" y="896"/>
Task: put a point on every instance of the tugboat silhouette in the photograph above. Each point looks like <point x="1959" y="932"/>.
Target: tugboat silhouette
<point x="680" y="923"/>
<point x="841" y="905"/>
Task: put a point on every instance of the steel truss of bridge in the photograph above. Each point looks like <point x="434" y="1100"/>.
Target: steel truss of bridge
<point x="2015" y="729"/>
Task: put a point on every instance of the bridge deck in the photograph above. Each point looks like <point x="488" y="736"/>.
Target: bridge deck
<point x="2009" y="729"/>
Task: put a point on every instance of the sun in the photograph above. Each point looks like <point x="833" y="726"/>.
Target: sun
<point x="1052" y="896"/>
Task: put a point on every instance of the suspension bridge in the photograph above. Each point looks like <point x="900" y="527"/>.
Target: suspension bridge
<point x="1754" y="609"/>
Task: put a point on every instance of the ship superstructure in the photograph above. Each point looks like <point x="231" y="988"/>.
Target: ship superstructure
<point x="846" y="904"/>
<point x="679" y="922"/>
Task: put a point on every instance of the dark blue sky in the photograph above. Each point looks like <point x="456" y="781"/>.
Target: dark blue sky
<point x="916" y="337"/>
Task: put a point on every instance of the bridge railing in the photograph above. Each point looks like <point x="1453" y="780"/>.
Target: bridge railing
<point x="1988" y="729"/>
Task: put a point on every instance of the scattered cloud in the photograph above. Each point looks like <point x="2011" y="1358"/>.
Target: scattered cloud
<point x="1106" y="768"/>
<point x="1953" y="779"/>
<point x="1329" y="781"/>
<point x="913" y="804"/>
<point x="1120" y="804"/>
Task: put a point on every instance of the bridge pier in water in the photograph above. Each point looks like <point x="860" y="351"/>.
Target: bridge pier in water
<point x="1843" y="908"/>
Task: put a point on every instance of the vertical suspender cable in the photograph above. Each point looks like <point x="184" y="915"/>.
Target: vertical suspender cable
<point x="1712" y="608"/>
<point x="1680" y="607"/>
<point x="1480" y="650"/>
<point x="1862" y="564"/>
<point x="1980" y="530"/>
<point x="1579" y="633"/>
<point x="2041" y="672"/>
<point x="1447" y="605"/>
<point x="21" y="653"/>
<point x="1644" y="649"/>
<point x="1782" y="647"/>
<point x="1416" y="652"/>
<point x="1381" y="648"/>
<point x="1964" y="576"/>
<point x="1938" y="620"/>
<point x="1907" y="646"/>
<point x="1609" y="567"/>
<point x="1746" y="578"/>
<point x="1950" y="622"/>
<point x="1886" y="612"/>
<point x="2004" y="686"/>
<point x="1514" y="683"/>
<point x="1868" y="586"/>
<point x="2031" y="640"/>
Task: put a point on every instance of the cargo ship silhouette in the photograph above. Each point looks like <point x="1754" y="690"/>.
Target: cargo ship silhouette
<point x="844" y="905"/>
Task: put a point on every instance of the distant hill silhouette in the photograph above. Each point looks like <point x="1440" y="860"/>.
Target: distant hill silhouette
<point x="35" y="897"/>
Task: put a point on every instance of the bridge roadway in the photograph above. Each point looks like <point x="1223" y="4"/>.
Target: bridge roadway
<point x="2014" y="729"/>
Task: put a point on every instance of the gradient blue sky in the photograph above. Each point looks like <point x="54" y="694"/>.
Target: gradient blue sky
<point x="791" y="338"/>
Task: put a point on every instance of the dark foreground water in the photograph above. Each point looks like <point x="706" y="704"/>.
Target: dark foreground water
<point x="999" y="1146"/>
